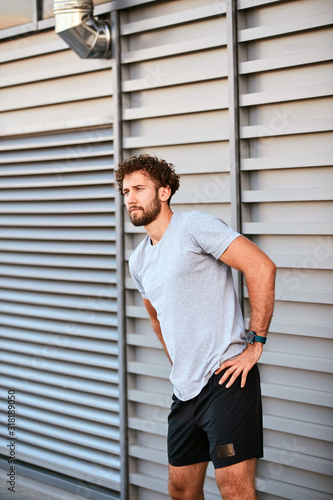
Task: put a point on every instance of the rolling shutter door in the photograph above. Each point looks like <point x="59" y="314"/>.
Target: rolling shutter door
<point x="59" y="342"/>
<point x="285" y="52"/>
<point x="175" y="106"/>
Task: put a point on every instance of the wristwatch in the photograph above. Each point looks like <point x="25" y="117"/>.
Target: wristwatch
<point x="252" y="337"/>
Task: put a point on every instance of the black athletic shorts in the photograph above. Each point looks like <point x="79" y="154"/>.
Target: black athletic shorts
<point x="221" y="425"/>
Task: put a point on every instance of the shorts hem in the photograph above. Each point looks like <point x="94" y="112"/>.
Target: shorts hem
<point x="190" y="461"/>
<point x="219" y="464"/>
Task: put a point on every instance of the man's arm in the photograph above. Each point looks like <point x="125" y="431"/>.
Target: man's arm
<point x="156" y="324"/>
<point x="259" y="271"/>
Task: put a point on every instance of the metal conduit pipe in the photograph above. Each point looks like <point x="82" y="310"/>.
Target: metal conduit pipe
<point x="75" y="24"/>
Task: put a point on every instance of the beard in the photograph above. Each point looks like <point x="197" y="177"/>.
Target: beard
<point x="148" y="215"/>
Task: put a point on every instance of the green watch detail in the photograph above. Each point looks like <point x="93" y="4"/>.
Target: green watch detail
<point x="252" y="337"/>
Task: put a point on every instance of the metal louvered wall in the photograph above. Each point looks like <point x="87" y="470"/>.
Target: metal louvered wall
<point x="60" y="288"/>
<point x="175" y="105"/>
<point x="59" y="327"/>
<point x="176" y="83"/>
<point x="286" y="87"/>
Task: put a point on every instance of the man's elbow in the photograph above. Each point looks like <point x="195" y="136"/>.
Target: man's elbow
<point x="270" y="268"/>
<point x="265" y="269"/>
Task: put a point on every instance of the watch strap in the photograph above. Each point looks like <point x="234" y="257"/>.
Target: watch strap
<point x="257" y="338"/>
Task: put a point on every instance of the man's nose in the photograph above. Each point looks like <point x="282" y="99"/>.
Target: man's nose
<point x="130" y="198"/>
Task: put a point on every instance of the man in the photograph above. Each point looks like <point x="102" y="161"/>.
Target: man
<point x="182" y="269"/>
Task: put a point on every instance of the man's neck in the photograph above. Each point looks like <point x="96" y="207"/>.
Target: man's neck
<point x="157" y="228"/>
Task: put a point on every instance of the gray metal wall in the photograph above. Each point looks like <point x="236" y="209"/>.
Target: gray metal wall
<point x="177" y="86"/>
<point x="59" y="332"/>
<point x="60" y="307"/>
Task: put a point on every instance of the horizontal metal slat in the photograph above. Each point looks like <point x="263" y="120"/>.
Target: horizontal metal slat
<point x="97" y="249"/>
<point x="295" y="194"/>
<point x="34" y="405"/>
<point x="52" y="342"/>
<point x="310" y="296"/>
<point x="201" y="136"/>
<point x="71" y="138"/>
<point x="148" y="482"/>
<point x="285" y="95"/>
<point x="174" y="49"/>
<point x="287" y="227"/>
<point x="37" y="121"/>
<point x="299" y="428"/>
<point x="282" y="28"/>
<point x="99" y="399"/>
<point x="61" y="439"/>
<point x="59" y="327"/>
<point x="64" y="287"/>
<point x="81" y="316"/>
<point x="44" y="43"/>
<point x="66" y="193"/>
<point x="43" y="353"/>
<point x="147" y="369"/>
<point x="71" y="449"/>
<point x="176" y="78"/>
<point x="309" y="396"/>
<point x="299" y="328"/>
<point x="61" y="234"/>
<point x="322" y="260"/>
<point x="145" y="397"/>
<point x="220" y="102"/>
<point x="136" y="312"/>
<point x="103" y="302"/>
<point x="66" y="429"/>
<point x="158" y="427"/>
<point x="89" y="157"/>
<point x="54" y="180"/>
<point x="311" y="363"/>
<point x="251" y="164"/>
<point x="249" y="4"/>
<point x="92" y="383"/>
<point x="291" y="128"/>
<point x="173" y="19"/>
<point x="80" y="469"/>
<point x="289" y="491"/>
<point x="151" y="341"/>
<point x="45" y="361"/>
<point x="286" y="61"/>
<point x="59" y="221"/>
<point x="66" y="90"/>
<point x="47" y="67"/>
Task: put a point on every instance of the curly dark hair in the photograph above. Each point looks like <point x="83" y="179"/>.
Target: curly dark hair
<point x="162" y="173"/>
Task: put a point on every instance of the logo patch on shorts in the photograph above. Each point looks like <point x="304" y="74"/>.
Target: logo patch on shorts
<point x="225" y="450"/>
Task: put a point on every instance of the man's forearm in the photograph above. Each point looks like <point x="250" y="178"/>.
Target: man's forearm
<point x="261" y="288"/>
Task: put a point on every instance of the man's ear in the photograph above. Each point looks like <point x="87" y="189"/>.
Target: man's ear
<point x="164" y="193"/>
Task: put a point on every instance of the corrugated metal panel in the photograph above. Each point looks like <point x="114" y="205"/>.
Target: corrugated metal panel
<point x="175" y="105"/>
<point x="175" y="94"/>
<point x="286" y="119"/>
<point x="59" y="338"/>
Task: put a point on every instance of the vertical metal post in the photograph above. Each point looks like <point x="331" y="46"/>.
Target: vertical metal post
<point x="117" y="141"/>
<point x="234" y="142"/>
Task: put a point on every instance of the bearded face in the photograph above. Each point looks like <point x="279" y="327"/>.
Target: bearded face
<point x="142" y="216"/>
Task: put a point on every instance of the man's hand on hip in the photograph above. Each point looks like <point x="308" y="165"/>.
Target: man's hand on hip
<point x="241" y="365"/>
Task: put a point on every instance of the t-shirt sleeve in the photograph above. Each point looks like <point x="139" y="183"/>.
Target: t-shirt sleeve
<point x="134" y="274"/>
<point x="210" y="233"/>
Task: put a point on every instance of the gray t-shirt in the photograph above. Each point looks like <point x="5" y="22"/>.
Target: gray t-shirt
<point x="194" y="297"/>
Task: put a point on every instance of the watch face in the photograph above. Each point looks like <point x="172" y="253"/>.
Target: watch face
<point x="250" y="337"/>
